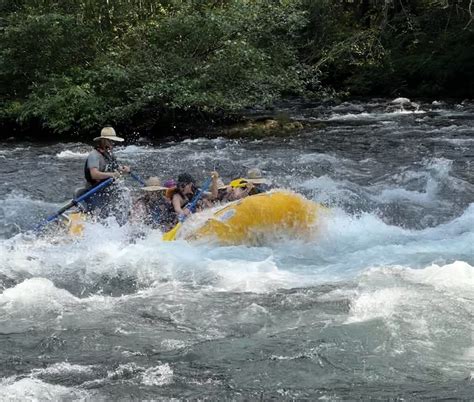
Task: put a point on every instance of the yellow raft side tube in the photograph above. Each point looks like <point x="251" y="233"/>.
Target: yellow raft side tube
<point x="259" y="217"/>
<point x="251" y="220"/>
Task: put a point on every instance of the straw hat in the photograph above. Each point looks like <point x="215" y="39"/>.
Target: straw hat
<point x="109" y="134"/>
<point x="153" y="184"/>
<point x="255" y="176"/>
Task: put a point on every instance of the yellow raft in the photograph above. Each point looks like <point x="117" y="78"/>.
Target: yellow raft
<point x="253" y="220"/>
<point x="258" y="219"/>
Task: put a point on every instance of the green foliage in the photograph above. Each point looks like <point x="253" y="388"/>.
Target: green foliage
<point x="413" y="48"/>
<point x="64" y="105"/>
<point x="74" y="65"/>
<point x="215" y="59"/>
<point x="36" y="46"/>
<point x="75" y="71"/>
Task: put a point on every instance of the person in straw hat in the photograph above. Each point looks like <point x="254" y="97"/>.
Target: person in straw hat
<point x="152" y="208"/>
<point x="240" y="188"/>
<point x="235" y="190"/>
<point x="99" y="166"/>
<point x="260" y="184"/>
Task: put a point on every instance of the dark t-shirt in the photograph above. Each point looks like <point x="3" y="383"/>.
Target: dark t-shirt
<point x="97" y="160"/>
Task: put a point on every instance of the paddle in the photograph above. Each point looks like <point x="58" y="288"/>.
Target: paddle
<point x="171" y="235"/>
<point x="116" y="166"/>
<point x="74" y="202"/>
<point x="137" y="178"/>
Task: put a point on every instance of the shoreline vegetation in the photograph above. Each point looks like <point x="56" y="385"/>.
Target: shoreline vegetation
<point x="173" y="68"/>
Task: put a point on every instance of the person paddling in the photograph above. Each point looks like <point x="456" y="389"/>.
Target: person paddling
<point x="102" y="165"/>
<point x="185" y="190"/>
<point x="153" y="208"/>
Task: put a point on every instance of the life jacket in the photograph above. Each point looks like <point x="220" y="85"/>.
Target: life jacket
<point x="111" y="165"/>
<point x="170" y="192"/>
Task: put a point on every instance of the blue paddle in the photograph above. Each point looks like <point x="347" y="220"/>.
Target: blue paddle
<point x="192" y="205"/>
<point x="171" y="235"/>
<point x="137" y="178"/>
<point x="74" y="202"/>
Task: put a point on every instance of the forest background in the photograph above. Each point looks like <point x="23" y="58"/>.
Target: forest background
<point x="154" y="67"/>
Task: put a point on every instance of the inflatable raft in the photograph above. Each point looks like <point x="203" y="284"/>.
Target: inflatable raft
<point x="256" y="220"/>
<point x="253" y="220"/>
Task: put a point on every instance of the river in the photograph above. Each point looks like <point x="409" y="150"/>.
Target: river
<point x="379" y="305"/>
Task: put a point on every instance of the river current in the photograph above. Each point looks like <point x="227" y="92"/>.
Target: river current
<point x="379" y="305"/>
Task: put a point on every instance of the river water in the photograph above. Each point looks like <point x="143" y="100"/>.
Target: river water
<point x="379" y="305"/>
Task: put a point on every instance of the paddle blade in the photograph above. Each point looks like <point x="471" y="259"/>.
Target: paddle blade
<point x="171" y="235"/>
<point x="76" y="223"/>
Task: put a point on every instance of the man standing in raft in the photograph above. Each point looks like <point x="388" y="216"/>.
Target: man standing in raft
<point x="102" y="165"/>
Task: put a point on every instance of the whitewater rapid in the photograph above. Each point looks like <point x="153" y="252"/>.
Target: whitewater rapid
<point x="379" y="304"/>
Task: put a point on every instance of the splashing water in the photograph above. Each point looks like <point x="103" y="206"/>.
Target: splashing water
<point x="380" y="303"/>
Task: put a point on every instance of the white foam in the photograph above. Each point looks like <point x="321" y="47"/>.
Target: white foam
<point x="469" y="352"/>
<point x="352" y="116"/>
<point x="401" y="101"/>
<point x="67" y="154"/>
<point x="390" y="291"/>
<point x="345" y="246"/>
<point x="36" y="390"/>
<point x="457" y="277"/>
<point x="158" y="376"/>
<point x="458" y="141"/>
<point x="194" y="140"/>
<point x="381" y="303"/>
<point x="172" y="344"/>
<point x="437" y="172"/>
<point x="373" y="116"/>
<point x="249" y="276"/>
<point x="136" y="149"/>
<point x="35" y="293"/>
<point x="344" y="230"/>
<point x="327" y="189"/>
<point x="61" y="368"/>
<point x="15" y="203"/>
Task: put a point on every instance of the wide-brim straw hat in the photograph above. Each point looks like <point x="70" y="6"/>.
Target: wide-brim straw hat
<point x="109" y="133"/>
<point x="255" y="176"/>
<point x="153" y="184"/>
